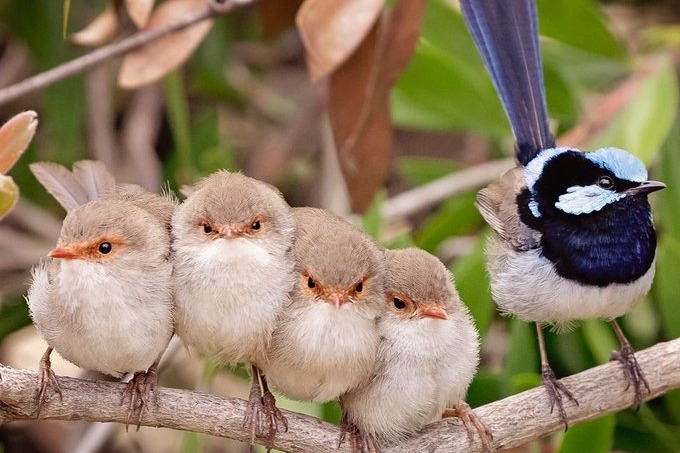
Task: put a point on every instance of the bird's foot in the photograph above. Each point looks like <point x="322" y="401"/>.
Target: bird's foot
<point x="273" y="419"/>
<point x="555" y="391"/>
<point x="632" y="372"/>
<point x="253" y="415"/>
<point x="46" y="379"/>
<point x="358" y="442"/>
<point x="472" y="424"/>
<point x="141" y="386"/>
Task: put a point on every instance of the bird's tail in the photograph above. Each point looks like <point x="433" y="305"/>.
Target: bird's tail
<point x="89" y="180"/>
<point x="506" y="35"/>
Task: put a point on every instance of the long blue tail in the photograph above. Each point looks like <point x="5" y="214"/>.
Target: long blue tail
<point x="506" y="35"/>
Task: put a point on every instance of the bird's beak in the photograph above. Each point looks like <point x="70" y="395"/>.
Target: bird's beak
<point x="231" y="231"/>
<point x="433" y="311"/>
<point x="646" y="187"/>
<point x="336" y="299"/>
<point x="65" y="252"/>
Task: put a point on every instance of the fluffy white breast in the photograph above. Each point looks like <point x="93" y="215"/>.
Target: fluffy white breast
<point x="424" y="365"/>
<point x="103" y="318"/>
<point x="229" y="294"/>
<point x="319" y="352"/>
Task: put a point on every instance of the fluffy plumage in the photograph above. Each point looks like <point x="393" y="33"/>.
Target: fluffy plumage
<point x="326" y="340"/>
<point x="575" y="237"/>
<point x="104" y="298"/>
<point x="425" y="363"/>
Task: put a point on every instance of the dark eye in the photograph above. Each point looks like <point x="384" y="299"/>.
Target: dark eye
<point x="207" y="229"/>
<point x="398" y="303"/>
<point x="605" y="182"/>
<point x="310" y="282"/>
<point x="104" y="248"/>
<point x="255" y="225"/>
<point x="360" y="287"/>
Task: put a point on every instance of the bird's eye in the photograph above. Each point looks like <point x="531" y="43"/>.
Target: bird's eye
<point x="359" y="287"/>
<point x="104" y="248"/>
<point x="605" y="182"/>
<point x="207" y="229"/>
<point x="310" y="282"/>
<point x="398" y="303"/>
<point x="255" y="225"/>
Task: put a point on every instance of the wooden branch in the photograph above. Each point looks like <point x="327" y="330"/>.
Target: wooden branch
<point x="97" y="56"/>
<point x="514" y="421"/>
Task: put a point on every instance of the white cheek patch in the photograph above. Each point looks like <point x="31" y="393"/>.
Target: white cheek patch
<point x="586" y="199"/>
<point x="234" y="251"/>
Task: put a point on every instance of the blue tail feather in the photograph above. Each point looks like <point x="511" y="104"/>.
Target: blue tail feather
<point x="506" y="35"/>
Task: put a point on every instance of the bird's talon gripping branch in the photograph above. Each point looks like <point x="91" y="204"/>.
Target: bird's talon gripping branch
<point x="46" y="378"/>
<point x="555" y="391"/>
<point x="472" y="424"/>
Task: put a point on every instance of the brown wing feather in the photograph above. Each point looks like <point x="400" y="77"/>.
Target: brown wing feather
<point x="497" y="204"/>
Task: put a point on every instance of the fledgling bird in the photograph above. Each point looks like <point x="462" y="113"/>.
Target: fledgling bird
<point x="233" y="270"/>
<point x="574" y="234"/>
<point x="428" y="355"/>
<point x="103" y="299"/>
<point x="326" y="340"/>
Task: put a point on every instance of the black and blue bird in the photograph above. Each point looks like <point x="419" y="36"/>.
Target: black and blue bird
<point x="574" y="237"/>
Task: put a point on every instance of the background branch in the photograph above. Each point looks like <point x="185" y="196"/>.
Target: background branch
<point x="80" y="64"/>
<point x="514" y="421"/>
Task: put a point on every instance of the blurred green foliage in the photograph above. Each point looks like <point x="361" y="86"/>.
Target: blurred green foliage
<point x="445" y="87"/>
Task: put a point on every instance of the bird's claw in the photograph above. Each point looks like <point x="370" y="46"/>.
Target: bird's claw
<point x="632" y="372"/>
<point x="358" y="441"/>
<point x="555" y="391"/>
<point x="274" y="419"/>
<point x="137" y="391"/>
<point x="472" y="424"/>
<point x="46" y="378"/>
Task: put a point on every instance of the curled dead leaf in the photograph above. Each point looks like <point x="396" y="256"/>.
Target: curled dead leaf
<point x="9" y="194"/>
<point x="15" y="136"/>
<point x="139" y="11"/>
<point x="152" y="61"/>
<point x="100" y="30"/>
<point x="359" y="100"/>
<point x="332" y="30"/>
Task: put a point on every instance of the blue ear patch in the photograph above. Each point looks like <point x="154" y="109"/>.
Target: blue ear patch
<point x="623" y="164"/>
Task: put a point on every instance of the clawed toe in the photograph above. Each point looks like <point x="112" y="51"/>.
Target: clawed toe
<point x="46" y="379"/>
<point x="556" y="390"/>
<point x="141" y="386"/>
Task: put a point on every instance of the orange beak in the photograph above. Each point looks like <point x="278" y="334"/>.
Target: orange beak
<point x="434" y="311"/>
<point x="65" y="252"/>
<point x="336" y="299"/>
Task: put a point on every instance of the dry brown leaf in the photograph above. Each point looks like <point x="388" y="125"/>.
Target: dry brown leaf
<point x="359" y="100"/>
<point x="139" y="11"/>
<point x="332" y="30"/>
<point x="15" y="136"/>
<point x="152" y="61"/>
<point x="276" y="16"/>
<point x="100" y="30"/>
<point x="365" y="166"/>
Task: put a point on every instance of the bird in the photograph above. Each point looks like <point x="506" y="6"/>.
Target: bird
<point x="427" y="357"/>
<point x="103" y="298"/>
<point x="573" y="233"/>
<point x="233" y="271"/>
<point x="326" y="340"/>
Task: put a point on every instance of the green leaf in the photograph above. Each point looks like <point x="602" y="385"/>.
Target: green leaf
<point x="456" y="216"/>
<point x="522" y="356"/>
<point x="566" y="20"/>
<point x="9" y="193"/>
<point x="594" y="436"/>
<point x="472" y="282"/>
<point x="371" y="221"/>
<point x="13" y="316"/>
<point x="667" y="284"/>
<point x="600" y="339"/>
<point x="191" y="442"/>
<point x="643" y="125"/>
<point x="417" y="170"/>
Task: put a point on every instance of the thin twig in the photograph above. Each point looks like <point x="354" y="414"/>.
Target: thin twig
<point x="97" y="56"/>
<point x="514" y="421"/>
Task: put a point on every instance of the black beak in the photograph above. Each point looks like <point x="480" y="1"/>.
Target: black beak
<point x="646" y="187"/>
